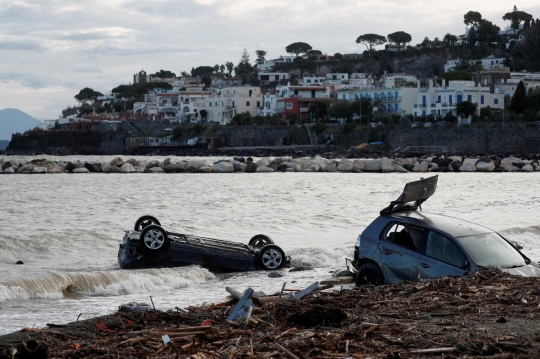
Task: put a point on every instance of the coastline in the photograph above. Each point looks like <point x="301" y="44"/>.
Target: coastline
<point x="487" y="313"/>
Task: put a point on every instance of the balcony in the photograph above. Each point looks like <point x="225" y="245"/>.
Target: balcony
<point x="391" y="98"/>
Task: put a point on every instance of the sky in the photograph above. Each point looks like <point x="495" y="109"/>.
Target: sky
<point x="51" y="49"/>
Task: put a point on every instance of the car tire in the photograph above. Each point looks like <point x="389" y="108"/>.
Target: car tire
<point x="271" y="257"/>
<point x="145" y="221"/>
<point x="259" y="241"/>
<point x="369" y="274"/>
<point x="154" y="239"/>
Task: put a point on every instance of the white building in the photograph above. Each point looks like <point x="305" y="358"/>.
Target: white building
<point x="439" y="100"/>
<point x="224" y="104"/>
<point x="490" y="62"/>
<point x="531" y="80"/>
<point x="337" y="78"/>
<point x="393" y="100"/>
<point x="268" y="77"/>
<point x="313" y="80"/>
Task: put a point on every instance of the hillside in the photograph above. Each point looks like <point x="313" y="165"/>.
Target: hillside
<point x="13" y="121"/>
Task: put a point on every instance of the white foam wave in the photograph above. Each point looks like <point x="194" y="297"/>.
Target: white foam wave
<point x="103" y="283"/>
<point x="320" y="257"/>
<point x="528" y="237"/>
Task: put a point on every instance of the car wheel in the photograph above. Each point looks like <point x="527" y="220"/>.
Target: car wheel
<point x="369" y="274"/>
<point x="145" y="221"/>
<point x="259" y="241"/>
<point x="271" y="257"/>
<point x="154" y="238"/>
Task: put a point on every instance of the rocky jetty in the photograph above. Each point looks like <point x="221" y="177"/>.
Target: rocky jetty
<point x="278" y="164"/>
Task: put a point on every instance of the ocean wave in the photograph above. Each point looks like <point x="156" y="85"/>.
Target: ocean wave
<point x="320" y="257"/>
<point x="103" y="283"/>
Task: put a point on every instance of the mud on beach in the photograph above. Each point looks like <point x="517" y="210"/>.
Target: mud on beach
<point x="486" y="314"/>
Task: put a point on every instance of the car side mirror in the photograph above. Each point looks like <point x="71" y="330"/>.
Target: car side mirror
<point x="466" y="264"/>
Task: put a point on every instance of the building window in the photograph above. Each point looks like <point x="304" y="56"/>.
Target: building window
<point x="289" y="105"/>
<point x="247" y="103"/>
<point x="439" y="99"/>
<point x="258" y="103"/>
<point x="308" y="81"/>
<point x="469" y="98"/>
<point x="496" y="101"/>
<point x="344" y="96"/>
<point x="482" y="99"/>
<point x="210" y="104"/>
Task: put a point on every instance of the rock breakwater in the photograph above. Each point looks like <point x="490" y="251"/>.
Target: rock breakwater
<point x="276" y="164"/>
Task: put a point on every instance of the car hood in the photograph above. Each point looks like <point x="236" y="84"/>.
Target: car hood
<point x="525" y="271"/>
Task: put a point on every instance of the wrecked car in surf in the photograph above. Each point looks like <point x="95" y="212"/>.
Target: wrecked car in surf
<point x="404" y="244"/>
<point x="149" y="245"/>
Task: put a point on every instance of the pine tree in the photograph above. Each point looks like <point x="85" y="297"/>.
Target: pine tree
<point x="519" y="100"/>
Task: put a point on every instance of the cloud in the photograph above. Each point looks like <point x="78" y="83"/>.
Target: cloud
<point x="85" y="68"/>
<point x="19" y="44"/>
<point x="26" y="79"/>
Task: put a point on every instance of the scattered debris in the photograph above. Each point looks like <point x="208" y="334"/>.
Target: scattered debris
<point x="481" y="315"/>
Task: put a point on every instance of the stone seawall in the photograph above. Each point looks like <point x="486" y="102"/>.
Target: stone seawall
<point x="280" y="164"/>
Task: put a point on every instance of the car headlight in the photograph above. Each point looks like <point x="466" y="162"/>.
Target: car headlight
<point x="357" y="244"/>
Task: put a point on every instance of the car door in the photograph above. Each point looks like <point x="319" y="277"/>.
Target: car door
<point x="440" y="256"/>
<point x="398" y="251"/>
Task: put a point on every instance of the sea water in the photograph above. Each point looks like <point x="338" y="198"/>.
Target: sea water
<point x="66" y="229"/>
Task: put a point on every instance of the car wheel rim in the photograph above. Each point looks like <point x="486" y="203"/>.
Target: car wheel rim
<point x="154" y="239"/>
<point x="272" y="258"/>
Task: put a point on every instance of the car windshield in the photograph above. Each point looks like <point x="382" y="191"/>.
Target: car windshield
<point x="491" y="250"/>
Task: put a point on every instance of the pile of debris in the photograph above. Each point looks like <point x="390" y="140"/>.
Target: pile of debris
<point x="487" y="314"/>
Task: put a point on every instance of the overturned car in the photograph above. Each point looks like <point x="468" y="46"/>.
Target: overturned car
<point x="149" y="245"/>
<point x="403" y="244"/>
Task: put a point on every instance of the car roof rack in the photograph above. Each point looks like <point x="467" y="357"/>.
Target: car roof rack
<point x="413" y="195"/>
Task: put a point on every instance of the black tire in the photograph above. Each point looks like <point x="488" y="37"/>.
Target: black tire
<point x="259" y="241"/>
<point x="145" y="221"/>
<point x="271" y="257"/>
<point x="369" y="274"/>
<point x="154" y="239"/>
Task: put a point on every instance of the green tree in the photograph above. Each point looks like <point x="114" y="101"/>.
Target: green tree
<point x="516" y="17"/>
<point x="487" y="30"/>
<point x="244" y="68"/>
<point x="370" y="40"/>
<point x="426" y="42"/>
<point x="155" y="87"/>
<point x="292" y="118"/>
<point x="87" y="95"/>
<point x="319" y="128"/>
<point x="314" y="52"/>
<point x="457" y="75"/>
<point x="304" y="65"/>
<point x="216" y="68"/>
<point x="466" y="108"/>
<point x="318" y="109"/>
<point x="230" y="67"/>
<point x="298" y="48"/>
<point x="363" y="107"/>
<point x="518" y="104"/>
<point x="222" y="69"/>
<point x="204" y="114"/>
<point x="202" y="70"/>
<point x="242" y="119"/>
<point x="164" y="74"/>
<point x="338" y="56"/>
<point x="340" y="109"/>
<point x="449" y="39"/>
<point x="261" y="56"/>
<point x="399" y="37"/>
<point x="472" y="18"/>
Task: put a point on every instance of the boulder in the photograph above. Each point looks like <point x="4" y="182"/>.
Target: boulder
<point x="28" y="168"/>
<point x="222" y="167"/>
<point x="239" y="166"/>
<point x="166" y="162"/>
<point x="56" y="169"/>
<point x="497" y="161"/>
<point x="508" y="167"/>
<point x="127" y="168"/>
<point x="153" y="170"/>
<point x="359" y="166"/>
<point x="372" y="165"/>
<point x="264" y="162"/>
<point x="70" y="166"/>
<point x="118" y="162"/>
<point x="432" y="166"/>
<point x="197" y="164"/>
<point x="331" y="168"/>
<point x="105" y="167"/>
<point x="472" y="161"/>
<point x="456" y="158"/>
<point x="90" y="167"/>
<point x="527" y="168"/>
<point x="485" y="159"/>
<point x="206" y="169"/>
<point x="519" y="165"/>
<point x="445" y="162"/>
<point x="114" y="169"/>
<point x="140" y="169"/>
<point x="316" y="168"/>
<point x="10" y="163"/>
<point x="405" y="161"/>
<point x="79" y="164"/>
<point x="37" y="169"/>
<point x="9" y="170"/>
<point x="251" y="167"/>
<point x="81" y="170"/>
<point x="467" y="167"/>
<point x="398" y="168"/>
<point x="282" y="167"/>
<point x="421" y="166"/>
<point x="485" y="166"/>
<point x="456" y="165"/>
<point x="345" y="165"/>
<point x="264" y="169"/>
<point x="151" y="164"/>
<point x="133" y="162"/>
<point x="387" y="165"/>
<point x="174" y="167"/>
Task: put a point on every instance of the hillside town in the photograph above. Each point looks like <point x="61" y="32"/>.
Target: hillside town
<point x="476" y="76"/>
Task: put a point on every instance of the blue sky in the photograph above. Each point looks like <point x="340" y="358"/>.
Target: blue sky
<point x="50" y="49"/>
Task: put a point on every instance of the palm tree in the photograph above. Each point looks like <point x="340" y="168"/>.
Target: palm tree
<point x="222" y="68"/>
<point x="230" y="67"/>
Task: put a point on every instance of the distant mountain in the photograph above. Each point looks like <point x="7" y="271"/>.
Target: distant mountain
<point x="3" y="144"/>
<point x="13" y="121"/>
